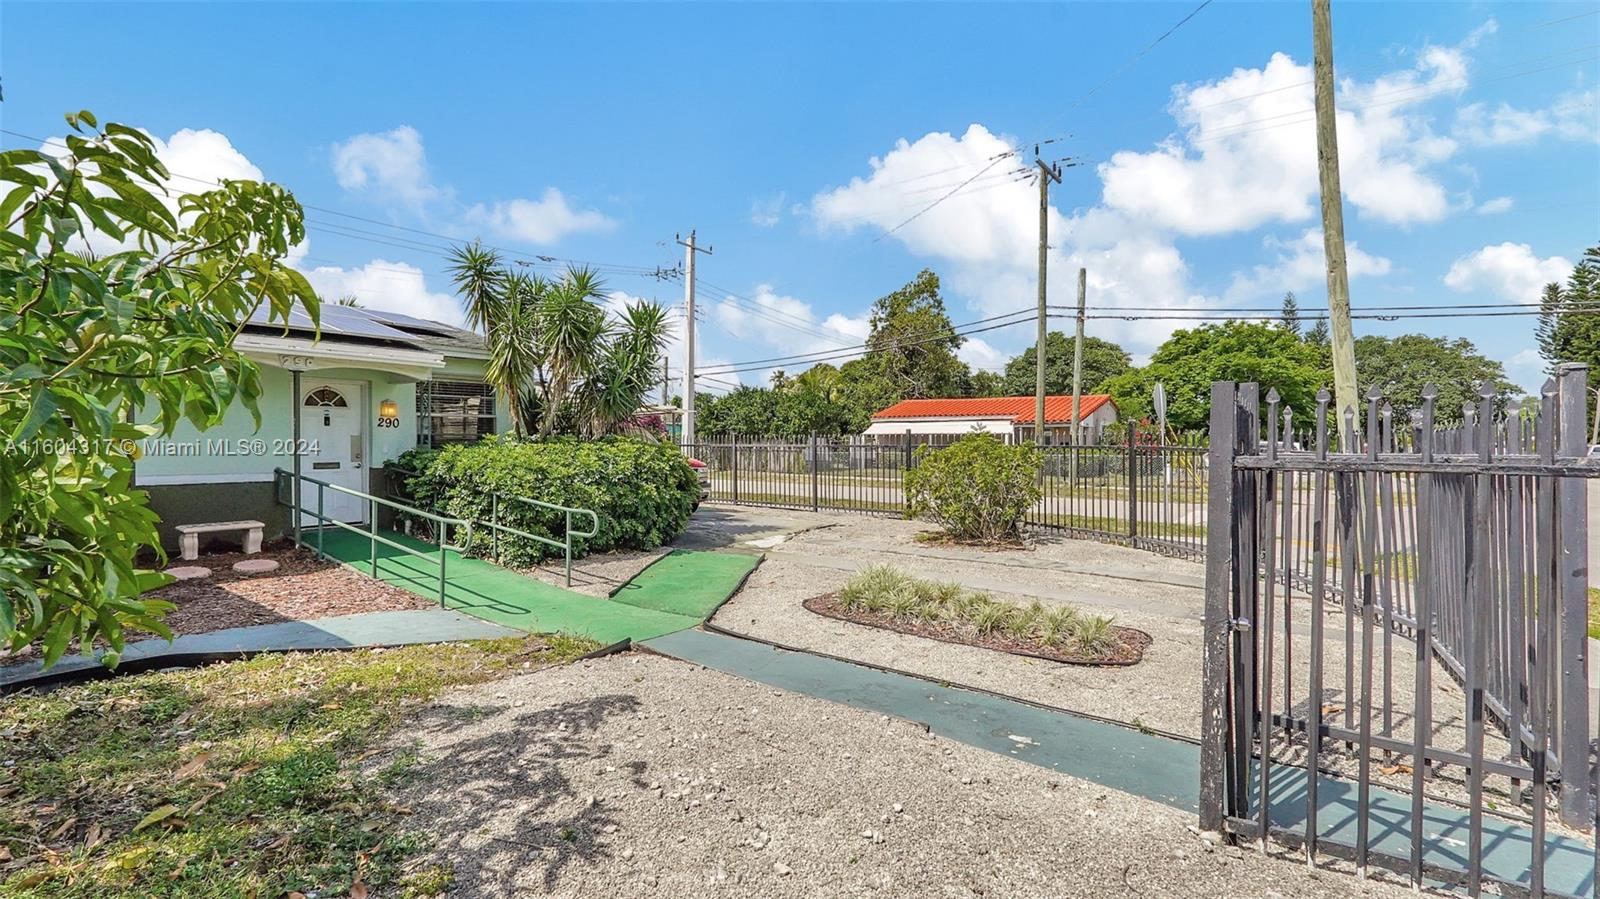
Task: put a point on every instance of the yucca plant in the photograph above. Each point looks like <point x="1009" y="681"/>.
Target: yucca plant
<point x="870" y="590"/>
<point x="1094" y="635"/>
<point x="990" y="617"/>
<point x="564" y="364"/>
<point x="1059" y="626"/>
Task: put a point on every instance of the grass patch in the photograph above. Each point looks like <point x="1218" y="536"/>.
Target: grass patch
<point x="885" y="590"/>
<point x="238" y="779"/>
<point x="1594" y="613"/>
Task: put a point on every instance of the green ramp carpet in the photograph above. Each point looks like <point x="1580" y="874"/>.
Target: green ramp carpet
<point x="504" y="597"/>
<point x="687" y="582"/>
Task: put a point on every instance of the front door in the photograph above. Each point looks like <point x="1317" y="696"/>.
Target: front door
<point x="333" y="449"/>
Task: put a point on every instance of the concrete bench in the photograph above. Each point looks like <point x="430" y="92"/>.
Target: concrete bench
<point x="190" y="535"/>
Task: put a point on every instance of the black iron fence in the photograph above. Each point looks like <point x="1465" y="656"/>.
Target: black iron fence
<point x="1131" y="490"/>
<point x="1405" y="616"/>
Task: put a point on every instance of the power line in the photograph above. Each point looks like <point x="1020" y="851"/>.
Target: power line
<point x="396" y="241"/>
<point x="1138" y="56"/>
<point x="935" y="334"/>
<point x="992" y="163"/>
<point x="733" y="368"/>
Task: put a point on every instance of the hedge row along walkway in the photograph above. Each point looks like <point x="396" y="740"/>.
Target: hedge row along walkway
<point x="1155" y="767"/>
<point x="675" y="593"/>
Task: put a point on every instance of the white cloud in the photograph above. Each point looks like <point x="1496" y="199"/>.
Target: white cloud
<point x="981" y="223"/>
<point x="206" y="155"/>
<point x="1245" y="156"/>
<point x="542" y="221"/>
<point x="979" y="354"/>
<point x="787" y="324"/>
<point x="391" y="286"/>
<point x="989" y="232"/>
<point x="1496" y="206"/>
<point x="1300" y="265"/>
<point x="1508" y="270"/>
<point x="197" y="159"/>
<point x="1527" y="369"/>
<point x="392" y="164"/>
<point x="767" y="212"/>
<point x="1573" y="116"/>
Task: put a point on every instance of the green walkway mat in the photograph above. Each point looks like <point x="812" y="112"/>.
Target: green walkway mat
<point x="505" y="597"/>
<point x="687" y="582"/>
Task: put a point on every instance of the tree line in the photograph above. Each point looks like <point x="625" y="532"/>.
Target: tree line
<point x="911" y="352"/>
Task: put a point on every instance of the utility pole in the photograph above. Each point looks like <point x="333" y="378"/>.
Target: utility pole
<point x="666" y="381"/>
<point x="1077" y="360"/>
<point x="1343" y="339"/>
<point x="688" y="336"/>
<point x="1047" y="173"/>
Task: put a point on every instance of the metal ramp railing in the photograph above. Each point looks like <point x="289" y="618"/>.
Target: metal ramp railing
<point x="443" y="522"/>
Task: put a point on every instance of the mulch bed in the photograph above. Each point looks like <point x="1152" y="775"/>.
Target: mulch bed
<point x="940" y="538"/>
<point x="301" y="589"/>
<point x="1129" y="650"/>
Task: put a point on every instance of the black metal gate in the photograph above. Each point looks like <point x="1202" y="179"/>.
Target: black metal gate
<point x="1400" y="622"/>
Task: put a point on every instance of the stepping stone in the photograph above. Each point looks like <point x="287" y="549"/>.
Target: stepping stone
<point x="256" y="566"/>
<point x="189" y="572"/>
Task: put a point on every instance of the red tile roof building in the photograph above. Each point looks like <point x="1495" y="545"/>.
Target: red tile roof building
<point x="1010" y="417"/>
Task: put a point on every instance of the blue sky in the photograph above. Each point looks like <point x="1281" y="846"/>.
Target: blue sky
<point x="795" y="136"/>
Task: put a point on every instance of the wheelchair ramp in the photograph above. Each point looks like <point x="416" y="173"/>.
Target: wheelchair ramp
<point x="656" y="602"/>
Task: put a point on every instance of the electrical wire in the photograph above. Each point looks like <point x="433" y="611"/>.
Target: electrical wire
<point x="901" y="344"/>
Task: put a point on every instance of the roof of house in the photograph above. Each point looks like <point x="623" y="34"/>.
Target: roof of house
<point x="1057" y="409"/>
<point x="355" y="324"/>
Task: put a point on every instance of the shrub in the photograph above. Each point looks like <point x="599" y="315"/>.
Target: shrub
<point x="976" y="489"/>
<point x="644" y="492"/>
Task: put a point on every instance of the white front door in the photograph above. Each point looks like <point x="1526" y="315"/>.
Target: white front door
<point x="333" y="444"/>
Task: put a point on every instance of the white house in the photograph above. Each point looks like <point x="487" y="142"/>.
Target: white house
<point x="1008" y="417"/>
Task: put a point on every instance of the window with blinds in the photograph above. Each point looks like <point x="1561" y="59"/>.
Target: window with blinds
<point x="454" y="412"/>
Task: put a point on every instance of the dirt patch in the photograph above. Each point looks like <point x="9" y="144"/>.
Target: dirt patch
<point x="1129" y="648"/>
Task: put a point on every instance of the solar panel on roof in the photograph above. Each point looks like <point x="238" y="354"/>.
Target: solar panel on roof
<point x="347" y="321"/>
<point x="400" y="320"/>
<point x="357" y="323"/>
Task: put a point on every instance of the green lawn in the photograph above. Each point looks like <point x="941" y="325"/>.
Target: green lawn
<point x="1594" y="613"/>
<point x="237" y="779"/>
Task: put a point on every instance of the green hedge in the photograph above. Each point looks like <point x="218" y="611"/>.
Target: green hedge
<point x="644" y="492"/>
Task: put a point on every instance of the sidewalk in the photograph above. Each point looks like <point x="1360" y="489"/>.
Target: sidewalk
<point x="340" y="632"/>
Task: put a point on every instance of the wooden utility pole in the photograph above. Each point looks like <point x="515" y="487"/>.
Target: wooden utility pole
<point x="1047" y="173"/>
<point x="688" y="337"/>
<point x="1343" y="338"/>
<point x="1077" y="361"/>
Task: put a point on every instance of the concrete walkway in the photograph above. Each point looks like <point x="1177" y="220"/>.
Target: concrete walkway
<point x="340" y="632"/>
<point x="1147" y="765"/>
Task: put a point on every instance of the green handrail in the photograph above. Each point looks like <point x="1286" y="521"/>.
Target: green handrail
<point x="371" y="532"/>
<point x="565" y="544"/>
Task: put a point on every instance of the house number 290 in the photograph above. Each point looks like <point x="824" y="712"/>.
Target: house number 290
<point x="388" y="421"/>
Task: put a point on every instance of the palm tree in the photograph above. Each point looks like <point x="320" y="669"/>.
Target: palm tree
<point x="562" y="364"/>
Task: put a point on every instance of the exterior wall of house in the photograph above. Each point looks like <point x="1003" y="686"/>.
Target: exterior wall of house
<point x="225" y="473"/>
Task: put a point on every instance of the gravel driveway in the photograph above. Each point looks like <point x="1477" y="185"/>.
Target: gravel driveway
<point x="637" y="775"/>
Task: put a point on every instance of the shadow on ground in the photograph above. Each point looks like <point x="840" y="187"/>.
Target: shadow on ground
<point x="493" y="795"/>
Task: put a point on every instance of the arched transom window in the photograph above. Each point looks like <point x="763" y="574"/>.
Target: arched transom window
<point x="325" y="396"/>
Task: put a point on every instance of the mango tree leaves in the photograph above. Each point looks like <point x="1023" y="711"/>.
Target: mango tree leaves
<point x="120" y="296"/>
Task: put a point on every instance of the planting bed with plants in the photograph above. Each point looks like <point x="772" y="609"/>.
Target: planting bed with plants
<point x="886" y="597"/>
